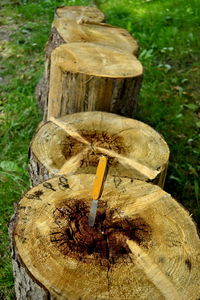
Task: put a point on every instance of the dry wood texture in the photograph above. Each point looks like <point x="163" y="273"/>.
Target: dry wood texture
<point x="143" y="245"/>
<point x="88" y="77"/>
<point x="67" y="14"/>
<point x="84" y="24"/>
<point x="74" y="143"/>
<point x="73" y="27"/>
<point x="89" y="14"/>
<point x="102" y="34"/>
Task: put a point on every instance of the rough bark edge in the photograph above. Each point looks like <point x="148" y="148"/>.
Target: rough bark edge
<point x="26" y="287"/>
<point x="42" y="88"/>
<point x="37" y="171"/>
<point x="129" y="110"/>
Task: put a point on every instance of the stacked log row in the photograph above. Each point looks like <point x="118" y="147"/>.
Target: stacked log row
<point x="79" y="28"/>
<point x="73" y="144"/>
<point x="143" y="245"/>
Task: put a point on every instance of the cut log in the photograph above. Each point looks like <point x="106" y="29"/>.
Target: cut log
<point x="86" y="14"/>
<point x="74" y="143"/>
<point x="102" y="34"/>
<point x="88" y="77"/>
<point x="80" y="14"/>
<point x="108" y="56"/>
<point x="69" y="29"/>
<point x="71" y="260"/>
<point x="25" y="286"/>
<point x="84" y="24"/>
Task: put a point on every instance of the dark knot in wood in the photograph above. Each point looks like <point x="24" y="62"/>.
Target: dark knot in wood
<point x="70" y="146"/>
<point x="104" y="243"/>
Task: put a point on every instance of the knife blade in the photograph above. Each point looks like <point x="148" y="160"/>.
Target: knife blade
<point x="97" y="188"/>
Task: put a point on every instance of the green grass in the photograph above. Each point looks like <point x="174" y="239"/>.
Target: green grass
<point x="168" y="36"/>
<point x="169" y="51"/>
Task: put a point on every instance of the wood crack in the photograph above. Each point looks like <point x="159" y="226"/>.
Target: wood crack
<point x="153" y="272"/>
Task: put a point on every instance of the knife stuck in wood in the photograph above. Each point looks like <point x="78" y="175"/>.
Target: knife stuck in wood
<point x="97" y="188"/>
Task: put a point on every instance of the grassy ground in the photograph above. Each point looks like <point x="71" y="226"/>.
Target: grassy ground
<point x="169" y="42"/>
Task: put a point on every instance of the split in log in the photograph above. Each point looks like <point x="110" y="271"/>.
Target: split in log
<point x="85" y="14"/>
<point x="72" y="260"/>
<point x="74" y="143"/>
<point x="88" y="77"/>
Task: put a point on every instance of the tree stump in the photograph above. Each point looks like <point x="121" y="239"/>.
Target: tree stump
<point x="74" y="27"/>
<point x="88" y="77"/>
<point x="89" y="14"/>
<point x="25" y="286"/>
<point x="101" y="33"/>
<point x="74" y="143"/>
<point x="143" y="245"/>
<point x="67" y="14"/>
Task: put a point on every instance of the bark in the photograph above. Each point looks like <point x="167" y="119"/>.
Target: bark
<point x="42" y="88"/>
<point x="143" y="245"/>
<point x="74" y="143"/>
<point x="85" y="14"/>
<point x="25" y="286"/>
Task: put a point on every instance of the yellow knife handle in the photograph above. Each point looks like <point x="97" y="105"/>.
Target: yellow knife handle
<point x="99" y="178"/>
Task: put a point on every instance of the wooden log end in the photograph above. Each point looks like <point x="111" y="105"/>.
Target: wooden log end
<point x="96" y="60"/>
<point x="72" y="260"/>
<point x="75" y="142"/>
<point x="89" y="77"/>
<point x="85" y="14"/>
